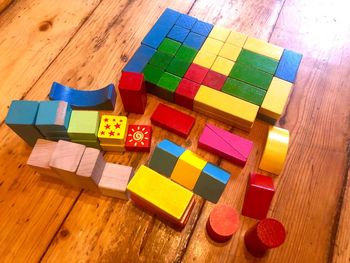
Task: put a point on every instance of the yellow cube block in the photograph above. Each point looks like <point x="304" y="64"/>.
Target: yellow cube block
<point x="187" y="169"/>
<point x="163" y="193"/>
<point x="236" y="38"/>
<point x="112" y="129"/>
<point x="263" y="48"/>
<point x="204" y="59"/>
<point x="219" y="33"/>
<point x="212" y="45"/>
<point x="222" y="65"/>
<point x="230" y="51"/>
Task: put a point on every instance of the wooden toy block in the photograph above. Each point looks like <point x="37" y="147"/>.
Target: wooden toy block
<point x="178" y="67"/>
<point x="202" y="28"/>
<point x="83" y="125"/>
<point x="288" y="66"/>
<point x="169" y="46"/>
<point x="276" y="98"/>
<point x="204" y="59"/>
<point x="236" y="38"/>
<point x="194" y="40"/>
<point x="132" y="91"/>
<point x="108" y="147"/>
<point x="251" y="76"/>
<point x="258" y="61"/>
<point x="65" y="161"/>
<point x="161" y="28"/>
<point x="178" y="33"/>
<point x="40" y="157"/>
<point x="196" y="73"/>
<point x="244" y="91"/>
<point x="155" y="189"/>
<point x="115" y="179"/>
<point x="59" y="137"/>
<point x="89" y="143"/>
<point x="222" y="66"/>
<point x="140" y="59"/>
<point x="179" y="123"/>
<point x="186" y="21"/>
<point x="211" y="182"/>
<point x="264" y="48"/>
<point x="223" y="223"/>
<point x="266" y="234"/>
<point x="219" y="33"/>
<point x="161" y="60"/>
<point x="275" y="151"/>
<point x="230" y="52"/>
<point x="138" y="138"/>
<point x="214" y="80"/>
<point x="225" y="144"/>
<point x="187" y="169"/>
<point x="165" y="156"/>
<point x="152" y="75"/>
<point x="258" y="196"/>
<point x="21" y="118"/>
<point x="166" y="86"/>
<point x="90" y="169"/>
<point x="101" y="99"/>
<point x="212" y="45"/>
<point x="186" y="54"/>
<point x="185" y="93"/>
<point x="112" y="129"/>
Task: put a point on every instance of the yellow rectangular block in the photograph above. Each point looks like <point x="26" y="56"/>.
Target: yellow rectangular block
<point x="112" y="147"/>
<point x="187" y="169"/>
<point x="236" y="38"/>
<point x="204" y="59"/>
<point x="165" y="194"/>
<point x="276" y="98"/>
<point x="230" y="51"/>
<point x="112" y="129"/>
<point x="263" y="48"/>
<point x="219" y="33"/>
<point x="212" y="45"/>
<point x="222" y="65"/>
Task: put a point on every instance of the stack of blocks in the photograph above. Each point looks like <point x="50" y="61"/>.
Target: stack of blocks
<point x="196" y="64"/>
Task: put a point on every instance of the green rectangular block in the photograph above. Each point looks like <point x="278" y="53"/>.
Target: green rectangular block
<point x="169" y="46"/>
<point x="258" y="61"/>
<point x="251" y="76"/>
<point x="152" y="74"/>
<point x="166" y="86"/>
<point x="178" y="67"/>
<point x="244" y="91"/>
<point x="160" y="60"/>
<point x="186" y="53"/>
<point x="83" y="125"/>
<point x="89" y="143"/>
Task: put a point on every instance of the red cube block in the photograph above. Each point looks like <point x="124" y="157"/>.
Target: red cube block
<point x="138" y="138"/>
<point x="214" y="80"/>
<point x="196" y="73"/>
<point x="185" y="93"/>
<point x="132" y="91"/>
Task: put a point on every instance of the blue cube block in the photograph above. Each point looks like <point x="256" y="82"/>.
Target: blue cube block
<point x="202" y="28"/>
<point x="186" y="21"/>
<point x="178" y="33"/>
<point x="194" y="40"/>
<point x="288" y="66"/>
<point x="140" y="59"/>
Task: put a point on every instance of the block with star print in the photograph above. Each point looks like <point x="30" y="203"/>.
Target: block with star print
<point x="138" y="138"/>
<point x="112" y="132"/>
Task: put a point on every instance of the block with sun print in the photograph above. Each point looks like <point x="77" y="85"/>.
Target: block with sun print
<point x="112" y="132"/>
<point x="138" y="138"/>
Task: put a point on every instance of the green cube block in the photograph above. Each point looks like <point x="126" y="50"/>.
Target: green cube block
<point x="152" y="74"/>
<point x="169" y="46"/>
<point x="258" y="61"/>
<point x="83" y="125"/>
<point x="186" y="53"/>
<point x="244" y="91"/>
<point x="251" y="76"/>
<point x="160" y="60"/>
<point x="178" y="67"/>
<point x="167" y="85"/>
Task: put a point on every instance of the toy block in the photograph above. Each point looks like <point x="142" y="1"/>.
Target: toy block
<point x="211" y="182"/>
<point x="219" y="33"/>
<point x="140" y="59"/>
<point x="109" y="147"/>
<point x="244" y="91"/>
<point x="165" y="156"/>
<point x="185" y="93"/>
<point x="186" y="54"/>
<point x="202" y="28"/>
<point x="160" y="60"/>
<point x="152" y="75"/>
<point x="90" y="168"/>
<point x="223" y="223"/>
<point x="65" y="161"/>
<point x="101" y="99"/>
<point x="112" y="129"/>
<point x="258" y="196"/>
<point x="204" y="59"/>
<point x="89" y="143"/>
<point x="225" y="144"/>
<point x="251" y="76"/>
<point x="188" y="169"/>
<point x="258" y="61"/>
<point x="275" y="151"/>
<point x="132" y="91"/>
<point x="40" y="157"/>
<point x="194" y="40"/>
<point x="21" y="118"/>
<point x="275" y="99"/>
<point x="178" y="33"/>
<point x="178" y="67"/>
<point x="266" y="234"/>
<point x="169" y="46"/>
<point x="288" y="66"/>
<point x="214" y="80"/>
<point x="263" y="48"/>
<point x="212" y="45"/>
<point x="222" y="65"/>
<point x="230" y="52"/>
<point x="138" y="138"/>
<point x="161" y="28"/>
<point x="186" y="21"/>
<point x="115" y="179"/>
<point x="155" y="189"/>
<point x="173" y="120"/>
<point x="166" y="86"/>
<point x="236" y="38"/>
<point x="83" y="125"/>
<point x="196" y="73"/>
<point x="59" y="137"/>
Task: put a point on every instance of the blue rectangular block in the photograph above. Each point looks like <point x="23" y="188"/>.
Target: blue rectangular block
<point x="194" y="40"/>
<point x="186" y="21"/>
<point x="178" y="33"/>
<point x="288" y="66"/>
<point x="140" y="59"/>
<point x="161" y="28"/>
<point x="202" y="28"/>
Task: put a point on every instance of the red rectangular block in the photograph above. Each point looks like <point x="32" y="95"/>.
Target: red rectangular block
<point x="185" y="93"/>
<point x="196" y="73"/>
<point x="173" y="120"/>
<point x="214" y="80"/>
<point x="138" y="138"/>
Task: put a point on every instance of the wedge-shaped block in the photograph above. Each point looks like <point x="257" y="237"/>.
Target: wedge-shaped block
<point x="202" y="28"/>
<point x="194" y="40"/>
<point x="264" y="48"/>
<point x="178" y="33"/>
<point x="169" y="46"/>
<point x="165" y="156"/>
<point x="219" y="33"/>
<point x="236" y="38"/>
<point x="258" y="61"/>
<point x="112" y="129"/>
<point x="230" y="51"/>
<point x="288" y="66"/>
<point x="204" y="59"/>
<point x="211" y="182"/>
<point x="168" y="196"/>
<point x="212" y="45"/>
<point x="83" y="125"/>
<point x="185" y="93"/>
<point x="186" y="54"/>
<point x="166" y="86"/>
<point x="138" y="138"/>
<point x="222" y="65"/>
<point x="187" y="169"/>
<point x="186" y="21"/>
<point x="196" y="73"/>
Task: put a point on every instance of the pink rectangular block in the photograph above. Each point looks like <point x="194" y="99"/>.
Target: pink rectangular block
<point x="225" y="144"/>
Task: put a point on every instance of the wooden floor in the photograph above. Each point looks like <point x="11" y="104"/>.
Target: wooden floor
<point x="85" y="43"/>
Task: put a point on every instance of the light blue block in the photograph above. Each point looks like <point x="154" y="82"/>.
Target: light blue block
<point x="288" y="66"/>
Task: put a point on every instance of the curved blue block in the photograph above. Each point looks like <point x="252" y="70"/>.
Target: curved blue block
<point x="101" y="99"/>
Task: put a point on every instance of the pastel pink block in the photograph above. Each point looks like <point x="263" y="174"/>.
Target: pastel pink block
<point x="225" y="144"/>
